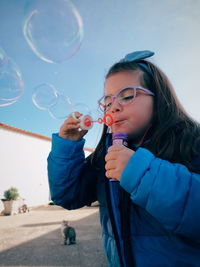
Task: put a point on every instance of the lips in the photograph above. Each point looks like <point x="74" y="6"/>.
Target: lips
<point x="118" y="121"/>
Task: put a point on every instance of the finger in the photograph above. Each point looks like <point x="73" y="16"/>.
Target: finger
<point x="112" y="155"/>
<point x="75" y="115"/>
<point x="108" y="174"/>
<point x="68" y="124"/>
<point x="71" y="126"/>
<point x="112" y="174"/>
<point x="111" y="164"/>
<point x="71" y="120"/>
<point x="115" y="148"/>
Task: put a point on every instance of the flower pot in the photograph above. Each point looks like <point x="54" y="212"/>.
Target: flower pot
<point x="11" y="207"/>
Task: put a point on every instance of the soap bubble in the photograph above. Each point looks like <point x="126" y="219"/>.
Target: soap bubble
<point x="10" y="86"/>
<point x="82" y="108"/>
<point x="53" y="29"/>
<point x="11" y="83"/>
<point x="4" y="103"/>
<point x="3" y="58"/>
<point x="44" y="96"/>
<point x="47" y="97"/>
<point x="96" y="113"/>
<point x="62" y="108"/>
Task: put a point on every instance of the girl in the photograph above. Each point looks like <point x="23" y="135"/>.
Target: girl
<point x="150" y="215"/>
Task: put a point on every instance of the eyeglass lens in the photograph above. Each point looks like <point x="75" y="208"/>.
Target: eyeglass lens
<point x="124" y="97"/>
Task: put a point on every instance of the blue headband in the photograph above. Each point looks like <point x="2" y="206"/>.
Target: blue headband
<point x="138" y="55"/>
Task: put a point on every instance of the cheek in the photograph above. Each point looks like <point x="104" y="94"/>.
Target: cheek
<point x="142" y="113"/>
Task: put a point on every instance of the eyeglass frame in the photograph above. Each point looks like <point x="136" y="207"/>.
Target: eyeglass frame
<point x="135" y="87"/>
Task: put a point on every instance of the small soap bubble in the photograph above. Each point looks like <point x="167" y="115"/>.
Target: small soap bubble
<point x="82" y="108"/>
<point x="62" y="108"/>
<point x="96" y="113"/>
<point x="11" y="83"/>
<point x="53" y="29"/>
<point x="44" y="96"/>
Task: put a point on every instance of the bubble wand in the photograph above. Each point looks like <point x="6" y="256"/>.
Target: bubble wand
<point x="86" y="121"/>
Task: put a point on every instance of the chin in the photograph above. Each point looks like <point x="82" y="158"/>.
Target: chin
<point x="116" y="129"/>
<point x="132" y="133"/>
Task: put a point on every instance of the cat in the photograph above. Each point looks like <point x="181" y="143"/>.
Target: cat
<point x="68" y="233"/>
<point x="24" y="208"/>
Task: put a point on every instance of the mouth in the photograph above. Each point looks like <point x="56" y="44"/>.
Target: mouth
<point x="117" y="122"/>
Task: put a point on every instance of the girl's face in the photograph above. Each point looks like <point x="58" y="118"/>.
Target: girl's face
<point x="133" y="118"/>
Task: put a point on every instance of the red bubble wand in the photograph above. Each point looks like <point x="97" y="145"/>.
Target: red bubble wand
<point x="86" y="121"/>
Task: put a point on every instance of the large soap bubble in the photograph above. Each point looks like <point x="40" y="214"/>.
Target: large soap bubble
<point x="6" y="102"/>
<point x="11" y="83"/>
<point x="53" y="29"/>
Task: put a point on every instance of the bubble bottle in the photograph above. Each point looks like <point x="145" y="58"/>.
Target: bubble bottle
<point x="119" y="138"/>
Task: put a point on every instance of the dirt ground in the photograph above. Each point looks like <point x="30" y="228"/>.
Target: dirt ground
<point x="34" y="238"/>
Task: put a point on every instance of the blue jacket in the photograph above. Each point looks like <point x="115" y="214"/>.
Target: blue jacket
<point x="159" y="224"/>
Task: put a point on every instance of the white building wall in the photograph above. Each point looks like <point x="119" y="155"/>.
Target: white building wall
<point x="23" y="161"/>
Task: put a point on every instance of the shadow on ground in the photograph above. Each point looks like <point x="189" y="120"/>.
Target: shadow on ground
<point x="48" y="250"/>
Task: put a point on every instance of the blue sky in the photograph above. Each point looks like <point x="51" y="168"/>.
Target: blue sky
<point x="111" y="29"/>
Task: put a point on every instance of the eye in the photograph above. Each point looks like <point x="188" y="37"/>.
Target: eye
<point x="108" y="101"/>
<point x="127" y="98"/>
<point x="108" y="104"/>
<point x="127" y="95"/>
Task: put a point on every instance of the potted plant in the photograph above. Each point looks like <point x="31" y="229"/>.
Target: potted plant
<point x="10" y="201"/>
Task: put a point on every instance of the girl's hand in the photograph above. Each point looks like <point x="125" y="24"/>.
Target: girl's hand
<point x="70" y="129"/>
<point x="116" y="160"/>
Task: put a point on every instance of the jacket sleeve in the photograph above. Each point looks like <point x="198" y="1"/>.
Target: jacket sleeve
<point x="72" y="180"/>
<point x="168" y="191"/>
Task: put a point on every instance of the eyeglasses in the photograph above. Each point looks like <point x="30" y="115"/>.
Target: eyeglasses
<point x="124" y="97"/>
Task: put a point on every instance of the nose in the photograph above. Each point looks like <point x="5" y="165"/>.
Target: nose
<point x="115" y="107"/>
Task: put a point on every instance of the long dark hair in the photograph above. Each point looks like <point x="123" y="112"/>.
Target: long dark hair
<point x="174" y="135"/>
